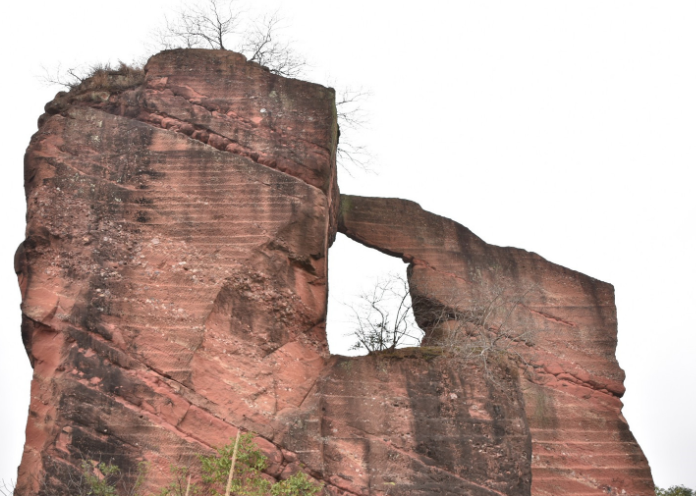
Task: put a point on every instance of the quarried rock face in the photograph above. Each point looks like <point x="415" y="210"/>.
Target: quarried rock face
<point x="412" y="422"/>
<point x="174" y="286"/>
<point x="174" y="271"/>
<point x="174" y="293"/>
<point x="559" y="325"/>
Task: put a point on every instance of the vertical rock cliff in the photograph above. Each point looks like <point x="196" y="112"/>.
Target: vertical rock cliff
<point x="562" y="333"/>
<point x="174" y="271"/>
<point x="174" y="285"/>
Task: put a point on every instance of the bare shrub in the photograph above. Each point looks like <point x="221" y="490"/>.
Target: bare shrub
<point x="7" y="488"/>
<point x="221" y="25"/>
<point x="96" y="77"/>
<point x="479" y="327"/>
<point x="351" y="117"/>
<point x="383" y="317"/>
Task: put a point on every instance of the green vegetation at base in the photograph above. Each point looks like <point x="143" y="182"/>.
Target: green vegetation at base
<point x="296" y="485"/>
<point x="247" y="479"/>
<point x="100" y="486"/>
<point x="675" y="491"/>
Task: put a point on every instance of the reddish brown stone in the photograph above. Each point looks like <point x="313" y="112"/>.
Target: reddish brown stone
<point x="174" y="292"/>
<point x="571" y="380"/>
<point x="412" y="422"/>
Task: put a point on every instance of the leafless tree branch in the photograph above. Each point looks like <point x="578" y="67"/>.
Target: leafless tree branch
<point x="485" y="331"/>
<point x="68" y="78"/>
<point x="7" y="489"/>
<point x="261" y="45"/>
<point x="201" y="25"/>
<point x="384" y="317"/>
<point x="351" y="117"/>
<point x="96" y="75"/>
<point x="221" y="25"/>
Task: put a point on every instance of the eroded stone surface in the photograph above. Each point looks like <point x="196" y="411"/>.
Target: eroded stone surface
<point x="572" y="382"/>
<point x="417" y="424"/>
<point x="174" y="291"/>
<point x="174" y="284"/>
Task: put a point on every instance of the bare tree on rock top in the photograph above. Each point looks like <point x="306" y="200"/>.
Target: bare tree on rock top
<point x="383" y="317"/>
<point x="462" y="327"/>
<point x="221" y="25"/>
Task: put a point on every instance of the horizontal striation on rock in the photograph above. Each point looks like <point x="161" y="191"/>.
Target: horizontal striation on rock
<point x="174" y="286"/>
<point x="415" y="424"/>
<point x="174" y="292"/>
<point x="565" y="339"/>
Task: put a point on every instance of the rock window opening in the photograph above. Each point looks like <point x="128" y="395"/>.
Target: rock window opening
<point x="369" y="306"/>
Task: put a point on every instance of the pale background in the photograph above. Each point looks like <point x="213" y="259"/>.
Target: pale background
<point x="565" y="128"/>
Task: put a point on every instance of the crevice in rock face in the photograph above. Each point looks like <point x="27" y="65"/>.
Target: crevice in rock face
<point x="204" y="136"/>
<point x="129" y="103"/>
<point x="209" y="137"/>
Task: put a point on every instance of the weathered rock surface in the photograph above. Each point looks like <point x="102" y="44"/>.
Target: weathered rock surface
<point x="174" y="291"/>
<point x="174" y="271"/>
<point x="415" y="424"/>
<point x="566" y="328"/>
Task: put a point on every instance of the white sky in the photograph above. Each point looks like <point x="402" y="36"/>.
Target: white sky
<point x="565" y="128"/>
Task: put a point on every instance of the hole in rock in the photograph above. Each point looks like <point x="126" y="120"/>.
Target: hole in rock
<point x="369" y="304"/>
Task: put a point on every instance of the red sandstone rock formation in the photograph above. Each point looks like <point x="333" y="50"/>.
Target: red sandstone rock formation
<point x="174" y="291"/>
<point x="572" y="383"/>
<point x="413" y="423"/>
<point x="174" y="271"/>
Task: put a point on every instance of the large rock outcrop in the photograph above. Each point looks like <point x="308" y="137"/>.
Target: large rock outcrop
<point x="174" y="271"/>
<point x="414" y="423"/>
<point x="174" y="292"/>
<point x="562" y="333"/>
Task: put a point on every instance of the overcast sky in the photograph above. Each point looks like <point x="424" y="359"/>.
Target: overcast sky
<point x="564" y="128"/>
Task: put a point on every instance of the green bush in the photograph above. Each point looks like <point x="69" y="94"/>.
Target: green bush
<point x="297" y="485"/>
<point x="180" y="484"/>
<point x="675" y="491"/>
<point x="247" y="479"/>
<point x="100" y="486"/>
<point x="107" y="480"/>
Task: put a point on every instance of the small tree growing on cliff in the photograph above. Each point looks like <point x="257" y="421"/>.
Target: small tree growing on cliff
<point x="351" y="117"/>
<point x="383" y="317"/>
<point x="483" y="332"/>
<point x="221" y="25"/>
